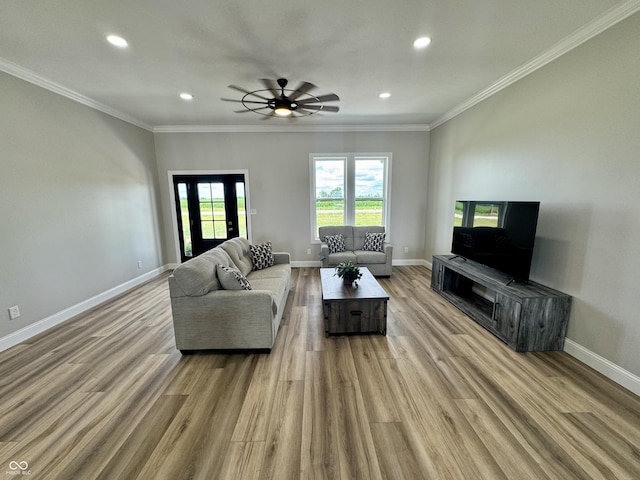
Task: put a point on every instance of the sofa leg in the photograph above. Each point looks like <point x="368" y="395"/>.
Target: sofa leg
<point x="186" y="352"/>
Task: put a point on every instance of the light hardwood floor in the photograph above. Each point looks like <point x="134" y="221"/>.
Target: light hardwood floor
<point x="107" y="396"/>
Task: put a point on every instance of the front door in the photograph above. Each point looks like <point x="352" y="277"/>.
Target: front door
<point x="210" y="209"/>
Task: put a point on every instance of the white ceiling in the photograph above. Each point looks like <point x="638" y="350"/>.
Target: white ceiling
<point x="354" y="48"/>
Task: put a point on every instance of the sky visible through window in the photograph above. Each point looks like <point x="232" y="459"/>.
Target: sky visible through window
<point x="368" y="178"/>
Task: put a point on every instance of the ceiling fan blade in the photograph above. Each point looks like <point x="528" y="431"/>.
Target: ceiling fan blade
<point x="250" y="110"/>
<point x="268" y="83"/>
<point x="244" y="90"/>
<point x="324" y="108"/>
<point x="303" y="88"/>
<point x="243" y="101"/>
<point x="329" y="97"/>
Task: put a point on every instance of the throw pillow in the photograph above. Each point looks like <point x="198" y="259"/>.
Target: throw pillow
<point x="373" y="242"/>
<point x="335" y="243"/>
<point x="232" y="279"/>
<point x="261" y="255"/>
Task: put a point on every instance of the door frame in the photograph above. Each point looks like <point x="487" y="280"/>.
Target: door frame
<point x="174" y="215"/>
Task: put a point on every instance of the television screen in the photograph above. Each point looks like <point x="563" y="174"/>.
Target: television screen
<point x="500" y="235"/>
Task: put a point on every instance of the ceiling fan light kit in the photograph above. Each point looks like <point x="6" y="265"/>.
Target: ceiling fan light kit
<point x="287" y="103"/>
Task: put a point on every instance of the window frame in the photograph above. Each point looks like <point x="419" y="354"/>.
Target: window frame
<point x="349" y="197"/>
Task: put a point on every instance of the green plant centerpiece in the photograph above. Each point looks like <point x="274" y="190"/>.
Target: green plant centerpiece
<point x="349" y="273"/>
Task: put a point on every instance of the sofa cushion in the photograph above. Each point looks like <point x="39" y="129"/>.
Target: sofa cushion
<point x="238" y="250"/>
<point x="336" y="258"/>
<point x="231" y="278"/>
<point x="373" y="241"/>
<point x="369" y="257"/>
<point x="261" y="255"/>
<point x="278" y="270"/>
<point x="335" y="243"/>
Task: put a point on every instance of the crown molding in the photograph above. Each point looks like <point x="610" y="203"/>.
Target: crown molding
<point x="289" y="128"/>
<point x="586" y="32"/>
<point x="31" y="77"/>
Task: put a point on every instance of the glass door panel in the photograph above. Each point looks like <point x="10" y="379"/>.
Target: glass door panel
<point x="184" y="221"/>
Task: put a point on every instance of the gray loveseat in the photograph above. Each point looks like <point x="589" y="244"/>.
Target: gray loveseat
<point x="206" y="316"/>
<point x="378" y="262"/>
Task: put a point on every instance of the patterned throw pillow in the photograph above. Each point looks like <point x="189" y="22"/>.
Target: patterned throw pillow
<point x="335" y="243"/>
<point x="261" y="255"/>
<point x="232" y="279"/>
<point x="373" y="242"/>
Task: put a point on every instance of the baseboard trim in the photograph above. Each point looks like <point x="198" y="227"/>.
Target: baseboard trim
<point x="399" y="262"/>
<point x="306" y="264"/>
<point x="600" y="364"/>
<point x="45" y="324"/>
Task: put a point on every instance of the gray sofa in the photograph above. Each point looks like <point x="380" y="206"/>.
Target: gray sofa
<point x="378" y="263"/>
<point x="206" y="316"/>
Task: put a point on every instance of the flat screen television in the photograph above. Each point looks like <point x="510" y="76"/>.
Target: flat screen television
<point x="500" y="235"/>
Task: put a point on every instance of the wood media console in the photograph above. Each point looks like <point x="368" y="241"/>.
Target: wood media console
<point x="528" y="317"/>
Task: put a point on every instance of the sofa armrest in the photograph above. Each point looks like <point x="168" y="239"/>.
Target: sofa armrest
<point x="224" y="319"/>
<point x="324" y="250"/>
<point x="281" y="257"/>
<point x="388" y="249"/>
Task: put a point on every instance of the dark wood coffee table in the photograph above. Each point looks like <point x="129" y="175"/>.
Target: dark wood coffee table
<point x="353" y="310"/>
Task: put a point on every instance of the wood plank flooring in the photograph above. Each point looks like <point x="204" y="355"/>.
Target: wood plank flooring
<point x="107" y="396"/>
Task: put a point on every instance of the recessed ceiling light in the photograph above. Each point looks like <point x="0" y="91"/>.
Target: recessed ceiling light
<point x="117" y="41"/>
<point x="422" y="42"/>
<point x="384" y="95"/>
<point x="186" y="96"/>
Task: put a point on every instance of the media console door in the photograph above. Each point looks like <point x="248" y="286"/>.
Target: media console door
<point x="527" y="317"/>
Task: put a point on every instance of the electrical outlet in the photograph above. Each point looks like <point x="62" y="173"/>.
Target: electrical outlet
<point x="14" y="312"/>
<point x="139" y="263"/>
<point x="308" y="251"/>
<point x="406" y="249"/>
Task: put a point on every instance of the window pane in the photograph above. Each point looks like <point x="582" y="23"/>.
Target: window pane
<point x="186" y="219"/>
<point x="369" y="188"/>
<point x="329" y="212"/>
<point x="242" y="210"/>
<point x="369" y="212"/>
<point x="213" y="218"/>
<point x="329" y="182"/>
<point x="369" y="178"/>
<point x="330" y="179"/>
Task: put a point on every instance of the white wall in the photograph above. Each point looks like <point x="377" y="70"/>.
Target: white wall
<point x="78" y="193"/>
<point x="566" y="135"/>
<point x="278" y="166"/>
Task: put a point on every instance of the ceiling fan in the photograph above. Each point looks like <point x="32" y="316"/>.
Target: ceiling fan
<point x="272" y="101"/>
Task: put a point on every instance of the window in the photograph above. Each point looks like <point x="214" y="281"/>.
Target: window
<point x="349" y="189"/>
